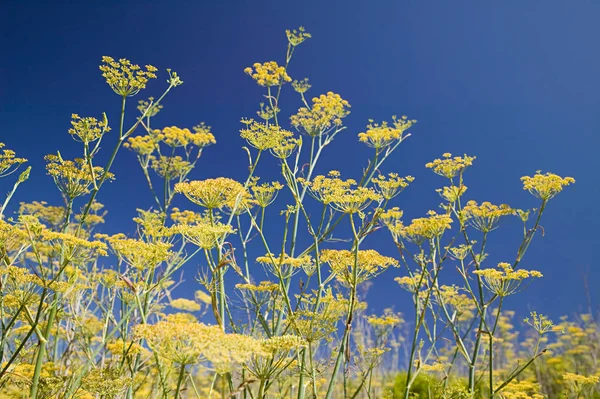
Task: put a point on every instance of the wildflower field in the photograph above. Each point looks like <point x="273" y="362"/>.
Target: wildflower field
<point x="282" y="268"/>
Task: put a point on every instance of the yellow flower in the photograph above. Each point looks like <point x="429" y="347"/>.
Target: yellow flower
<point x="264" y="137"/>
<point x="301" y="86"/>
<point x="125" y="78"/>
<point x="185" y="304"/>
<point x="392" y="185"/>
<point x="149" y="107"/>
<point x="539" y="322"/>
<point x="213" y="193"/>
<point x="73" y="178"/>
<point x="505" y="280"/>
<point x="485" y="217"/>
<point x="296" y="37"/>
<point x="326" y="114"/>
<point x="380" y="136"/>
<point x="342" y="195"/>
<point x="204" y="233"/>
<point x="545" y="186"/>
<point x="8" y="161"/>
<point x="450" y="167"/>
<point x="268" y="74"/>
<point x="368" y="264"/>
<point x="426" y="228"/>
<point x="265" y="194"/>
<point x="139" y="254"/>
<point x="171" y="167"/>
<point x="88" y="129"/>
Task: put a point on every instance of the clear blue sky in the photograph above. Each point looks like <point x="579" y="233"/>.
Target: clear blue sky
<point x="516" y="83"/>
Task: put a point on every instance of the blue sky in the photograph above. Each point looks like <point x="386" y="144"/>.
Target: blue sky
<point x="515" y="83"/>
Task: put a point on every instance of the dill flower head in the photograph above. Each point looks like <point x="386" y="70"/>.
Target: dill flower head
<point x="485" y="217"/>
<point x="170" y="168"/>
<point x="107" y="382"/>
<point x="392" y="185"/>
<point x="284" y="264"/>
<point x="452" y="193"/>
<point x="125" y="78"/>
<point x="326" y="114"/>
<point x="265" y="193"/>
<point x="53" y="215"/>
<point x="545" y="186"/>
<point x="8" y="161"/>
<point x="297" y="36"/>
<point x="382" y="135"/>
<point x="392" y="219"/>
<point x="268" y="74"/>
<point x="342" y="195"/>
<point x="73" y="178"/>
<point x="263" y="286"/>
<point x="185" y="304"/>
<point x="263" y="136"/>
<point x="187" y="342"/>
<point x="450" y="166"/>
<point x="203" y="232"/>
<point x="148" y="107"/>
<point x="212" y="193"/>
<point x="426" y="228"/>
<point x="143" y="145"/>
<point x="386" y="321"/>
<point x="344" y="265"/>
<point x="72" y="248"/>
<point x="139" y="254"/>
<point x="301" y="86"/>
<point x="540" y="323"/>
<point x="88" y="129"/>
<point x="451" y="295"/>
<point x="505" y="280"/>
<point x="580" y="380"/>
<point x="174" y="136"/>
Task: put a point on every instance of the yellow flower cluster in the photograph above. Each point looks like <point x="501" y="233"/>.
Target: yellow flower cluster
<point x="177" y="137"/>
<point x="342" y="195"/>
<point x="380" y="136"/>
<point x="72" y="247"/>
<point x="268" y="74"/>
<point x="315" y="321"/>
<point x="213" y="193"/>
<point x="580" y="379"/>
<point x="185" y="304"/>
<point x="263" y="286"/>
<point x="369" y="263"/>
<point x="105" y="382"/>
<point x="392" y="219"/>
<point x="204" y="233"/>
<point x="185" y="342"/>
<point x="540" y="323"/>
<point x="143" y="145"/>
<point x="452" y="193"/>
<point x="265" y="193"/>
<point x="8" y="161"/>
<point x="301" y="86"/>
<point x="279" y="261"/>
<point x="505" y="280"/>
<point x="388" y="320"/>
<point x="149" y="107"/>
<point x="88" y="129"/>
<point x="392" y="185"/>
<point x="545" y="186"/>
<point x="451" y="296"/>
<point x="73" y="178"/>
<point x="326" y="113"/>
<point x="53" y="215"/>
<point x="263" y="136"/>
<point x="412" y="283"/>
<point x="426" y="228"/>
<point x="449" y="166"/>
<point x="125" y="78"/>
<point x="139" y="254"/>
<point x="485" y="217"/>
<point x="296" y="37"/>
<point x="170" y="167"/>
<point x="11" y="237"/>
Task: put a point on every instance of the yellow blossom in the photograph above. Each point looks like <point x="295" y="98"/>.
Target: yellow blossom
<point x="73" y="178"/>
<point x="504" y="280"/>
<point x="262" y="136"/>
<point x="8" y="161"/>
<point x="296" y="37"/>
<point x="485" y="217"/>
<point x="326" y="114"/>
<point x="212" y="193"/>
<point x="268" y="74"/>
<point x="545" y="186"/>
<point x="392" y="185"/>
<point x="125" y="78"/>
<point x="185" y="304"/>
<point x="426" y="228"/>
<point x="350" y="271"/>
<point x="382" y="135"/>
<point x="450" y="167"/>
